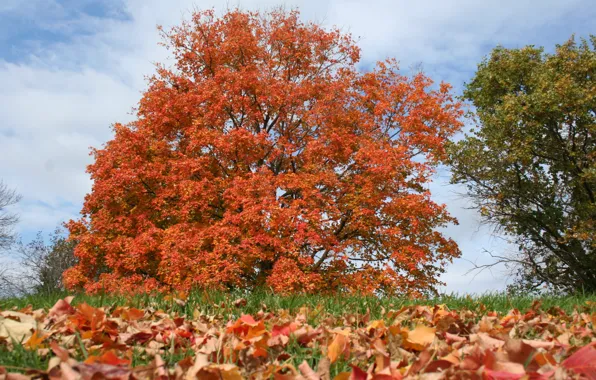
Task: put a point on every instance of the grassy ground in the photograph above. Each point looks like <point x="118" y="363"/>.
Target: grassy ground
<point x="219" y="302"/>
<point x="226" y="306"/>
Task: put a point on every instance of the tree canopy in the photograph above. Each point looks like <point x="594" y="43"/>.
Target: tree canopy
<point x="530" y="163"/>
<point x="263" y="157"/>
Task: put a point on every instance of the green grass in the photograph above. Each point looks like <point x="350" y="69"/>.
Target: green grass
<point x="221" y="303"/>
<point x="20" y="358"/>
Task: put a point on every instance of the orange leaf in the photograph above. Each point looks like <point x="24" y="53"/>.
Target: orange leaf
<point x="34" y="342"/>
<point x="543" y="358"/>
<point x="378" y="324"/>
<point x="108" y="357"/>
<point x="337" y="347"/>
<point x="419" y="338"/>
<point x="220" y="371"/>
<point x="133" y="314"/>
<point x="343" y="376"/>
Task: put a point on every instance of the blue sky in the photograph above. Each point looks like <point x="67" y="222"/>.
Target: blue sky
<point x="71" y="68"/>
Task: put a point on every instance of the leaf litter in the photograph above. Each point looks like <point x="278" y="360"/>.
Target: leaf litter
<point x="414" y="342"/>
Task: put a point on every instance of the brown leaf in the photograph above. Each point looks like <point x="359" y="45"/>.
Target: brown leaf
<point x="308" y="372"/>
<point x="220" y="371"/>
<point x="486" y="341"/>
<point x="423" y="359"/>
<point x="200" y="362"/>
<point x="539" y="344"/>
<point x="519" y="352"/>
<point x="240" y="302"/>
<point x="5" y="375"/>
<point x="59" y="351"/>
<point x="67" y="373"/>
<point x="438" y="366"/>
<point x="323" y="369"/>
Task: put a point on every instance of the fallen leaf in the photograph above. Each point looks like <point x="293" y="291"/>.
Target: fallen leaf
<point x="438" y="366"/>
<point x="18" y="331"/>
<point x="35" y="340"/>
<point x="108" y="357"/>
<point x="419" y="338"/>
<point x="286" y="329"/>
<point x="583" y="361"/>
<point x="519" y="351"/>
<point x="307" y="372"/>
<point x="59" y="351"/>
<point x="486" y="341"/>
<point x="423" y="359"/>
<point x="337" y="347"/>
<point x="62" y="307"/>
<point x="240" y="302"/>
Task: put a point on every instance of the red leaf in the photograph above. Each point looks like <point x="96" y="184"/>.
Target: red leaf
<point x="358" y="374"/>
<point x="62" y="307"/>
<point x="583" y="361"/>
<point x="285" y="329"/>
<point x="248" y="320"/>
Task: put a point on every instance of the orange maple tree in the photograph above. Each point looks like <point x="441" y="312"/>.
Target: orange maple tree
<point x="264" y="157"/>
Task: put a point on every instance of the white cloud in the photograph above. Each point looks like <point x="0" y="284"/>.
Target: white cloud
<point x="62" y="97"/>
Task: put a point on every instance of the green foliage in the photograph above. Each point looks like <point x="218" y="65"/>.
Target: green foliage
<point x="530" y="165"/>
<point x="40" y="266"/>
<point x="55" y="259"/>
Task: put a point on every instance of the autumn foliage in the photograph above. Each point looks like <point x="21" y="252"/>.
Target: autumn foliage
<point x="263" y="157"/>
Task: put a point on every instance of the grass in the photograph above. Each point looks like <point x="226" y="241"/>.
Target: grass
<point x="222" y="304"/>
<point x="20" y="358"/>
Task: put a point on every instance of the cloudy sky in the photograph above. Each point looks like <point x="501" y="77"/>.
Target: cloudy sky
<point x="71" y="68"/>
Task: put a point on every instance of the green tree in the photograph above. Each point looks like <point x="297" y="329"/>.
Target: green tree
<point x="38" y="265"/>
<point x="530" y="162"/>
